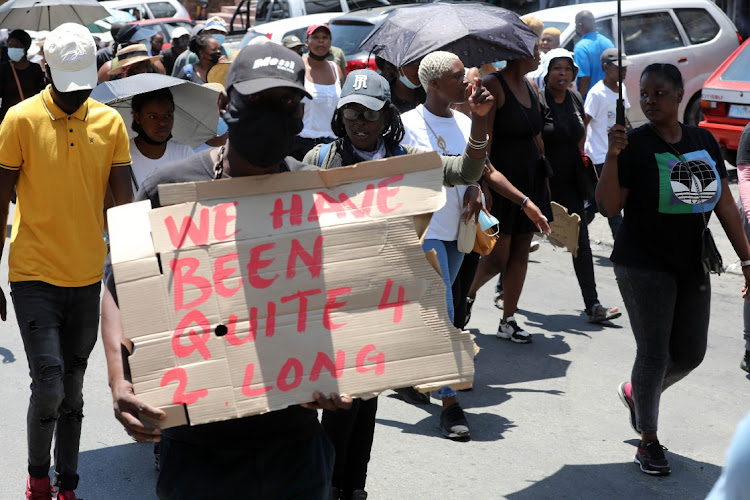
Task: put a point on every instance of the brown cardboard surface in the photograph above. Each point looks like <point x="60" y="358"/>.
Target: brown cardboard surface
<point x="565" y="229"/>
<point x="248" y="295"/>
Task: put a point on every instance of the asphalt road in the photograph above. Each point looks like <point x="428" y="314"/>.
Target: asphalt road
<point x="545" y="417"/>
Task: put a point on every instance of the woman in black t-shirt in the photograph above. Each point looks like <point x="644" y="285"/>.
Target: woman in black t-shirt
<point x="668" y="177"/>
<point x="19" y="78"/>
<point x="564" y="134"/>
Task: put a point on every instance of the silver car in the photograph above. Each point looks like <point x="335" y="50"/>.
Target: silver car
<point x="694" y="35"/>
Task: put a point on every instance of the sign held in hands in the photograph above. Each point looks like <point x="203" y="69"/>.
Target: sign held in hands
<point x="246" y="295"/>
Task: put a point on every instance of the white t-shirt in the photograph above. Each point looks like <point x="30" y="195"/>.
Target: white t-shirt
<point x="143" y="166"/>
<point x="454" y="133"/>
<point x="601" y="105"/>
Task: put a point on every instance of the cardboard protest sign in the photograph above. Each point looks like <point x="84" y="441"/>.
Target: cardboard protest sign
<point x="246" y="295"/>
<point x="565" y="228"/>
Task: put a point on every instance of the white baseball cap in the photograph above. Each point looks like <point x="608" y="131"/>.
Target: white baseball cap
<point x="179" y="32"/>
<point x="70" y="52"/>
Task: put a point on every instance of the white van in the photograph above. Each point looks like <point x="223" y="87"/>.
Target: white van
<point x="274" y="10"/>
<point x="694" y="35"/>
<point x="149" y="9"/>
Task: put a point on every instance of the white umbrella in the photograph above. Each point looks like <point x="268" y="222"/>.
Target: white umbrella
<point x="196" y="115"/>
<point x="49" y="14"/>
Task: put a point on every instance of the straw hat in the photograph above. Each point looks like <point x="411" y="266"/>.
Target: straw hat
<point x="218" y="73"/>
<point x="132" y="54"/>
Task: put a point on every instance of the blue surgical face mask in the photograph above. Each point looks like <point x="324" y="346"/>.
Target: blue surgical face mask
<point x="406" y="81"/>
<point x="16" y="54"/>
<point x="221" y="128"/>
<point x="219" y="38"/>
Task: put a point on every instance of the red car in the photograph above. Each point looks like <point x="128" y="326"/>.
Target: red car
<point x="726" y="100"/>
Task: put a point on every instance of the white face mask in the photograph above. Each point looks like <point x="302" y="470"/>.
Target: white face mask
<point x="16" y="54"/>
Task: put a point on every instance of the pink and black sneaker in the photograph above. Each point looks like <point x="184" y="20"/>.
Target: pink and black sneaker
<point x="652" y="459"/>
<point x="625" y="391"/>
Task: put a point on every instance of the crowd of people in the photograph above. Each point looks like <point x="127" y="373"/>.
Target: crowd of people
<point x="512" y="138"/>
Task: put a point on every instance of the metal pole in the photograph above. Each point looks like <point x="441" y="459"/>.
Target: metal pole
<point x="620" y="118"/>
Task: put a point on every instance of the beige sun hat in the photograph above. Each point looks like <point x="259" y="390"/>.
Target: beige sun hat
<point x="130" y="55"/>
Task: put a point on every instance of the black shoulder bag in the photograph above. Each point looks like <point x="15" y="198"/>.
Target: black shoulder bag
<point x="710" y="256"/>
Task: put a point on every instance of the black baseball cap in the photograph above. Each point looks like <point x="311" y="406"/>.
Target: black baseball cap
<point x="263" y="66"/>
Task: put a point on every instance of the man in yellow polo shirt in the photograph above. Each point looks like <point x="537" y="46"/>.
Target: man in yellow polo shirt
<point x="60" y="150"/>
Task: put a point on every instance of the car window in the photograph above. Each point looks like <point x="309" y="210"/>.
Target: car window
<point x="347" y="35"/>
<point x="650" y="32"/>
<point x="737" y="70"/>
<point x="170" y="27"/>
<point x="271" y="10"/>
<point x="162" y="9"/>
<point x="318" y="6"/>
<point x="699" y="25"/>
<point x="603" y="26"/>
<point x="366" y="4"/>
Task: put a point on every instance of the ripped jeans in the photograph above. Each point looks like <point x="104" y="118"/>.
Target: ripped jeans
<point x="59" y="329"/>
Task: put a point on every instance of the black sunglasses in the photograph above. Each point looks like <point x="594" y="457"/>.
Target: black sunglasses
<point x="369" y="115"/>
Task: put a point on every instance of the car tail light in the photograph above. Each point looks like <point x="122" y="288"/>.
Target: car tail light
<point x="739" y="37"/>
<point x="713" y="108"/>
<point x="362" y="63"/>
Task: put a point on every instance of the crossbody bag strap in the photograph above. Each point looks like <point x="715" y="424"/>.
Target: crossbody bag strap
<point x="18" y="83"/>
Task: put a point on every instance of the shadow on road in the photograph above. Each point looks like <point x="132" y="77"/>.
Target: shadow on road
<point x="7" y="355"/>
<point x="484" y="426"/>
<point x="501" y="362"/>
<point x="132" y="464"/>
<point x="566" y="323"/>
<point x="623" y="480"/>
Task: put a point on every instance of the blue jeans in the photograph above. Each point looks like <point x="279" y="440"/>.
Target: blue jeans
<point x="59" y="328"/>
<point x="669" y="318"/>
<point x="449" y="258"/>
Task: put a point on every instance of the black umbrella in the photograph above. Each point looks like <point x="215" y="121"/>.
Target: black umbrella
<point x="477" y="33"/>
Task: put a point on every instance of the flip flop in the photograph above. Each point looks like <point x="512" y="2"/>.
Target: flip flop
<point x="600" y="314"/>
<point x="498" y="301"/>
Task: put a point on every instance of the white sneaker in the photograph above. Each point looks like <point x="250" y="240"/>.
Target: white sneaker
<point x="534" y="246"/>
<point x="509" y="330"/>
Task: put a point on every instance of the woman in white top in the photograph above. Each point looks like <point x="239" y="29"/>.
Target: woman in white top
<point x="153" y="119"/>
<point x="323" y="82"/>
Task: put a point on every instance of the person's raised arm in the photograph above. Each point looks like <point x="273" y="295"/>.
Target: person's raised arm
<point x="8" y="180"/>
<point x="468" y="168"/>
<point x="610" y="195"/>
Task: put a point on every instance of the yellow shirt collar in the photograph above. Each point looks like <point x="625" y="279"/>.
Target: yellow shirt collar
<point x="56" y="113"/>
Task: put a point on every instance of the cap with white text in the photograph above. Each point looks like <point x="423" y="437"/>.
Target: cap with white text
<point x="264" y="66"/>
<point x="70" y="52"/>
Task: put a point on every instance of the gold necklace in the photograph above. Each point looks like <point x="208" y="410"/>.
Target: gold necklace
<point x="439" y="138"/>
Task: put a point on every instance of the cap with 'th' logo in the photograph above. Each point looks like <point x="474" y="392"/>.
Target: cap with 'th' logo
<point x="367" y="88"/>
<point x="266" y="66"/>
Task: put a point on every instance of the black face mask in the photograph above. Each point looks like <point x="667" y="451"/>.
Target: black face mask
<point x="70" y="102"/>
<point x="317" y="57"/>
<point x="262" y="134"/>
<point x="180" y="43"/>
<point x="215" y="56"/>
